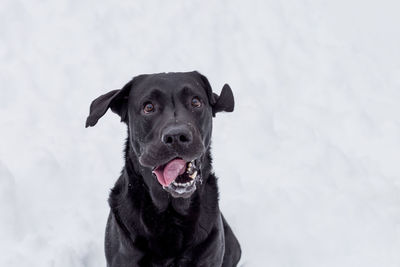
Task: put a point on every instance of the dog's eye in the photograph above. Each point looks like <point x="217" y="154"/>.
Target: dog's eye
<point x="196" y="102"/>
<point x="148" y="107"/>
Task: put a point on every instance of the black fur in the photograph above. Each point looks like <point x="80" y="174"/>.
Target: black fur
<point x="147" y="225"/>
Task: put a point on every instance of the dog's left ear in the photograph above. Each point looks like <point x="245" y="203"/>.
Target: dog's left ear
<point x="117" y="100"/>
<point x="222" y="102"/>
<point x="225" y="101"/>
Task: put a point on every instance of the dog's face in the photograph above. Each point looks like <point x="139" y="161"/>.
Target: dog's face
<point x="169" y="117"/>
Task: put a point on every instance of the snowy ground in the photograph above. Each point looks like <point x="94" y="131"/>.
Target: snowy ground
<point x="317" y="125"/>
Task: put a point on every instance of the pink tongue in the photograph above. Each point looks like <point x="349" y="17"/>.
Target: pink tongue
<point x="171" y="171"/>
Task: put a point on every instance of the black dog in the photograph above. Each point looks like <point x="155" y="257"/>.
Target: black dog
<point x="164" y="206"/>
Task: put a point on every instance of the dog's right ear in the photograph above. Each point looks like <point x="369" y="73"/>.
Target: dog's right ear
<point x="117" y="100"/>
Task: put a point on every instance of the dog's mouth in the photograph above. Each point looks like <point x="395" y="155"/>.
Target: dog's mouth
<point x="178" y="177"/>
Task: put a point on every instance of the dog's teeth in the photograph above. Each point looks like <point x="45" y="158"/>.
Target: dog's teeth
<point x="193" y="175"/>
<point x="189" y="167"/>
<point x="191" y="182"/>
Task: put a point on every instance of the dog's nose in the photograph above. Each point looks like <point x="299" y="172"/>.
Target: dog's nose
<point x="177" y="135"/>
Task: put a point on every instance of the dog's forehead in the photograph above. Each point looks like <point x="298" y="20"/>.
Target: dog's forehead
<point x="168" y="83"/>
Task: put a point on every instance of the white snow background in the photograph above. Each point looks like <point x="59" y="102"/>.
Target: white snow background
<point x="308" y="162"/>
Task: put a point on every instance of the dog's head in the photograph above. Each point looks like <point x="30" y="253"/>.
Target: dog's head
<point x="169" y="119"/>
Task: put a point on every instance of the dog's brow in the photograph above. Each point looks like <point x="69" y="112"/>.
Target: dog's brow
<point x="188" y="90"/>
<point x="153" y="93"/>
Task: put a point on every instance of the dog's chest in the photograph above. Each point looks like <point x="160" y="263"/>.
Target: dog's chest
<point x="168" y="234"/>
